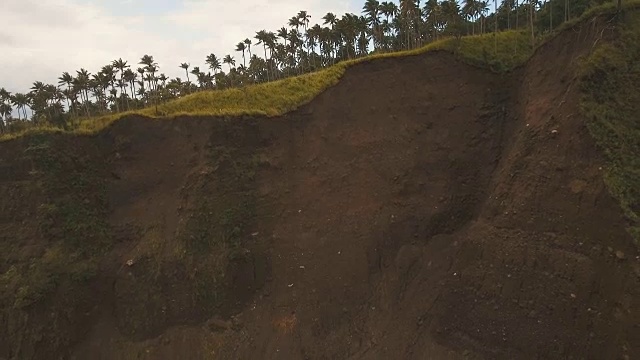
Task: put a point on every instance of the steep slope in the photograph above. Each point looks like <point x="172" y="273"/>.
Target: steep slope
<point x="378" y="161"/>
<point x="459" y="223"/>
<point x="421" y="208"/>
<point x="539" y="275"/>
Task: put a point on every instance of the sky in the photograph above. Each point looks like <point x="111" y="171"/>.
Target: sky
<point x="40" y="39"/>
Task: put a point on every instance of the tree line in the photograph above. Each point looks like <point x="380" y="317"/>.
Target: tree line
<point x="294" y="49"/>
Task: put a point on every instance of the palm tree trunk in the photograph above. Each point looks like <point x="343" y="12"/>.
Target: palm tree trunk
<point x="533" y="38"/>
<point x="266" y="63"/>
<point x="495" y="28"/>
<point x="515" y="46"/>
<point x="133" y="85"/>
<point x="550" y="15"/>
<point x="86" y="102"/>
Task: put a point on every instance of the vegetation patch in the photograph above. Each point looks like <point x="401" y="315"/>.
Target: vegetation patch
<point x="215" y="234"/>
<point x="610" y="79"/>
<point x="52" y="271"/>
<point x="72" y="219"/>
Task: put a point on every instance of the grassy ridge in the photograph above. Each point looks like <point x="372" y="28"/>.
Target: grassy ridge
<point x="279" y="97"/>
<point x="610" y="80"/>
<point x="502" y="52"/>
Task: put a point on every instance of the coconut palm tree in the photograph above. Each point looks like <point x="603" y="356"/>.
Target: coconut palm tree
<point x="263" y="38"/>
<point x="122" y="65"/>
<point x="283" y="33"/>
<point x="81" y="84"/>
<point x="20" y="101"/>
<point x="331" y="19"/>
<point x="5" y="107"/>
<point x="229" y="60"/>
<point x="130" y="77"/>
<point x="141" y="72"/>
<point x="371" y="9"/>
<point x="5" y="113"/>
<point x="214" y="64"/>
<point x="248" y="43"/>
<point x="186" y="66"/>
<point x="151" y="67"/>
<point x="241" y="47"/>
<point x="303" y="20"/>
<point x="67" y="80"/>
<point x="109" y="79"/>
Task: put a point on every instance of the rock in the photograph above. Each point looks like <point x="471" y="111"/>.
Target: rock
<point x="216" y="325"/>
<point x="620" y="255"/>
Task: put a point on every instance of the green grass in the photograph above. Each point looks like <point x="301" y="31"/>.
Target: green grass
<point x="608" y="8"/>
<point x="610" y="83"/>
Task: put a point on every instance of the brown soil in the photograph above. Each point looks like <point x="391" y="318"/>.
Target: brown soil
<point x="422" y="208"/>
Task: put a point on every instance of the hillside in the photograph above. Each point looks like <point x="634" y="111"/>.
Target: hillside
<point x="422" y="207"/>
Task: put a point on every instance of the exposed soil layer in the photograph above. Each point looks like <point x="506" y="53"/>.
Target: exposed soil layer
<point x="422" y="208"/>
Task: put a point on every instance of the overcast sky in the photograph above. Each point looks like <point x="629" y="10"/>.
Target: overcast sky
<point x="40" y="39"/>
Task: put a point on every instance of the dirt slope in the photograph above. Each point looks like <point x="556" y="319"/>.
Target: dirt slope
<point x="458" y="224"/>
<point x="422" y="208"/>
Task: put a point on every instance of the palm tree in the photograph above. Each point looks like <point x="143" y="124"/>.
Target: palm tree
<point x="121" y="66"/>
<point x="242" y="47"/>
<point x="247" y="42"/>
<point x="303" y="20"/>
<point x="164" y="79"/>
<point x="5" y="113"/>
<point x="151" y="68"/>
<point x="20" y="101"/>
<point x="66" y="79"/>
<point x="186" y="66"/>
<point x="229" y="60"/>
<point x="130" y="77"/>
<point x="109" y="78"/>
<point x="81" y="84"/>
<point x="263" y="38"/>
<point x="331" y="19"/>
<point x="199" y="76"/>
<point x="141" y="71"/>
<point x="283" y="33"/>
<point x="371" y="9"/>
<point x="214" y="63"/>
<point x="5" y="107"/>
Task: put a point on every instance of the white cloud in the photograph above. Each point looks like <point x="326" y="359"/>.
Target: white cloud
<point x="39" y="39"/>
